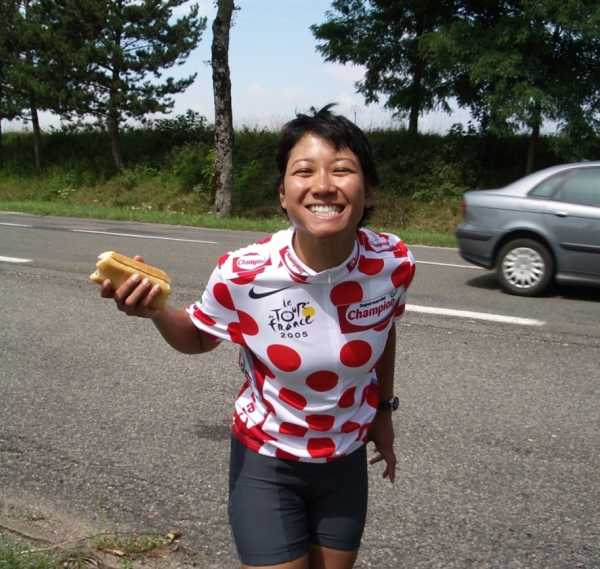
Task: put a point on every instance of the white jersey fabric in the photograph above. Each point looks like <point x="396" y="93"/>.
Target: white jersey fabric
<point x="308" y="341"/>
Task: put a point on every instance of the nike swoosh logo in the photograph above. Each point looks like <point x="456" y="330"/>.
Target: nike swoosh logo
<point x="256" y="295"/>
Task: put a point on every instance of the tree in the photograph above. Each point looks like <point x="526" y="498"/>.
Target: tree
<point x="25" y="85"/>
<point x="111" y="53"/>
<point x="9" y="104"/>
<point x="385" y="36"/>
<point x="518" y="63"/>
<point x="223" y="176"/>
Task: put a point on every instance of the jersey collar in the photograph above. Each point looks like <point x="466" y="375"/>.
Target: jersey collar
<point x="301" y="273"/>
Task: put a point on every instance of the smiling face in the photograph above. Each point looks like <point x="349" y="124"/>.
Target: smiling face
<point x="323" y="191"/>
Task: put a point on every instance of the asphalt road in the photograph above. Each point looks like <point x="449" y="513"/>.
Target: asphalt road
<point x="498" y="435"/>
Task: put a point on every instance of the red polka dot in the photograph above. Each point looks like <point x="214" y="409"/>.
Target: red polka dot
<point x="402" y="275"/>
<point x="320" y="422"/>
<point x="245" y="278"/>
<point x="285" y="455"/>
<point x="347" y="398"/>
<point x="371" y="395"/>
<point x="247" y="324"/>
<point x="204" y="318"/>
<point x="240" y="431"/>
<point x="260" y="381"/>
<point x="292" y="429"/>
<point x="284" y="358"/>
<point x="350" y="426"/>
<point x="251" y="443"/>
<point x="322" y="380"/>
<point x="370" y="266"/>
<point x="223" y="296"/>
<point x="222" y="259"/>
<point x="400" y="250"/>
<point x="355" y="353"/>
<point x="346" y="293"/>
<point x="292" y="398"/>
<point x="319" y="448"/>
<point x="268" y="405"/>
<point x="235" y="333"/>
<point x="260" y="367"/>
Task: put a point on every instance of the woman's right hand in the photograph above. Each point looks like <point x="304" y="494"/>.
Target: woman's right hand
<point x="134" y="297"/>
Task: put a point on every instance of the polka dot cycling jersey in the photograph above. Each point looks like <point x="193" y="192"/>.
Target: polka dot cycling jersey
<point x="308" y="341"/>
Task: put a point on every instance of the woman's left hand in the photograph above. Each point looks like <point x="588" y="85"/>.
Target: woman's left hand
<point x="381" y="433"/>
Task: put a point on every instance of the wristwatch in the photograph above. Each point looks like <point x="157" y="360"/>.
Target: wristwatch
<point x="390" y="404"/>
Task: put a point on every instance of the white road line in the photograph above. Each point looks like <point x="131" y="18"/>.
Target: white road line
<point x="450" y="265"/>
<point x="143" y="236"/>
<point x="14" y="260"/>
<point x="14" y="224"/>
<point x="475" y="315"/>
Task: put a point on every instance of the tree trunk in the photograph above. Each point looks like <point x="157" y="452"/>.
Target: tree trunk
<point x="115" y="140"/>
<point x="37" y="136"/>
<point x="536" y="121"/>
<point x="223" y="172"/>
<point x="417" y="80"/>
<point x="413" y="120"/>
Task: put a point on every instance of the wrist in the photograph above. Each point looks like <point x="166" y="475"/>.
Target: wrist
<point x="388" y="404"/>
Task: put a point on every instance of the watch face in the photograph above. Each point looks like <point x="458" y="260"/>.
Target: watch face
<point x="389" y="404"/>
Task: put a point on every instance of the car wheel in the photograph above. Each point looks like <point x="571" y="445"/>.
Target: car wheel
<point x="525" y="267"/>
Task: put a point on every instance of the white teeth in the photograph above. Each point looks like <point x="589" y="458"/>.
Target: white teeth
<point x="325" y="210"/>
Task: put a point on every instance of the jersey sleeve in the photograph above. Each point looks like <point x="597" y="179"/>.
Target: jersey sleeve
<point x="215" y="312"/>
<point x="402" y="276"/>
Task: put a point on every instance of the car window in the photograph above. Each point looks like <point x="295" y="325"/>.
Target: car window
<point x="582" y="187"/>
<point x="546" y="188"/>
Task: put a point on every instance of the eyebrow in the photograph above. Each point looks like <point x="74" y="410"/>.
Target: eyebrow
<point x="340" y="159"/>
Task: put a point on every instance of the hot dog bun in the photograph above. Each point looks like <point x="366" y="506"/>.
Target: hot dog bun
<point x="118" y="268"/>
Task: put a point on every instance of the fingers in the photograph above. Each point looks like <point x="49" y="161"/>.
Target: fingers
<point x="135" y="296"/>
<point x="390" y="463"/>
<point x="376" y="458"/>
<point x="107" y="290"/>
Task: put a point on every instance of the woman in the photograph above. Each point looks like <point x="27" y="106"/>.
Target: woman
<point x="313" y="310"/>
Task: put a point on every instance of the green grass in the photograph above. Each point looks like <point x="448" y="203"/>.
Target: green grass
<point x="11" y="557"/>
<point x="129" y="545"/>
<point x="125" y="547"/>
<point x="411" y="235"/>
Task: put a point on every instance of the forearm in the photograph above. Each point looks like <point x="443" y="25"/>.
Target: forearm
<point x="385" y="367"/>
<point x="180" y="333"/>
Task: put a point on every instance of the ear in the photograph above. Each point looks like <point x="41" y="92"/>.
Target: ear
<point x="281" y="191"/>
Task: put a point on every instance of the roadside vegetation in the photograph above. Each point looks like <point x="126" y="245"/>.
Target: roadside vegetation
<point x="122" y="548"/>
<point x="168" y="175"/>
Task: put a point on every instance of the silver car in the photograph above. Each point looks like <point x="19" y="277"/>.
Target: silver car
<point x="541" y="228"/>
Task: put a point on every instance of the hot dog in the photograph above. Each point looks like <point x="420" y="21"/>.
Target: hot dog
<point x="118" y="268"/>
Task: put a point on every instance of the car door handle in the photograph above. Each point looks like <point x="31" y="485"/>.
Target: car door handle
<point x="560" y="213"/>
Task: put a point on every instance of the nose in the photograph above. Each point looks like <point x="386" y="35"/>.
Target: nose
<point x="323" y="183"/>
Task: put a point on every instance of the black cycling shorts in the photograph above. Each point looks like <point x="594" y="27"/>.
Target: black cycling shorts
<point x="277" y="507"/>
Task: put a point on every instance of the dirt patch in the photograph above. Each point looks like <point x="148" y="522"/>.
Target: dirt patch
<point x="36" y="524"/>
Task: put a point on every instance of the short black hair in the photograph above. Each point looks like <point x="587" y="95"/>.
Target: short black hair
<point x="336" y="129"/>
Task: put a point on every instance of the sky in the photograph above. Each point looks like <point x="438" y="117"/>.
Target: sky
<point x="276" y="71"/>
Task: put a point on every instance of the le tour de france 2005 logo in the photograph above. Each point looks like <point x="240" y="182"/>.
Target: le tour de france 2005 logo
<point x="292" y="319"/>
